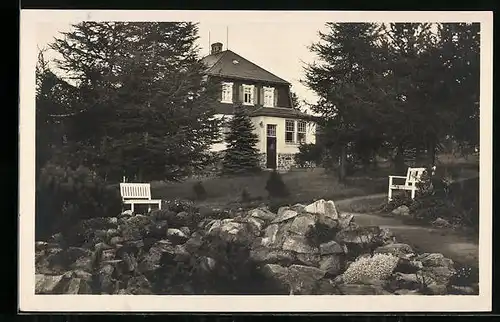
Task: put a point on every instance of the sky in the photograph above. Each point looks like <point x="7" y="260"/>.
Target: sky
<point x="279" y="47"/>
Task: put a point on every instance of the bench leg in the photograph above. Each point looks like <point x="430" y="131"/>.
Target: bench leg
<point x="159" y="205"/>
<point x="389" y="195"/>
<point x="412" y="194"/>
<point x="149" y="208"/>
<point x="132" y="207"/>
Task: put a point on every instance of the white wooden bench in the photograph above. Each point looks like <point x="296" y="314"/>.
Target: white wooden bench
<point x="138" y="194"/>
<point x="413" y="176"/>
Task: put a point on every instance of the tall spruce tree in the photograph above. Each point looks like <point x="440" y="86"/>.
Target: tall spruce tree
<point x="241" y="155"/>
<point x="144" y="109"/>
<point x="345" y="80"/>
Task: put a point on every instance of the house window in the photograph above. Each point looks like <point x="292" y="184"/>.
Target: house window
<point x="301" y="131"/>
<point x="268" y="97"/>
<point x="289" y="131"/>
<point x="248" y="94"/>
<point x="227" y="93"/>
<point x="271" y="130"/>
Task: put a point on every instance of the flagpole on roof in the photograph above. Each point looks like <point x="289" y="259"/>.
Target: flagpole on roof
<point x="209" y="42"/>
<point x="227" y="37"/>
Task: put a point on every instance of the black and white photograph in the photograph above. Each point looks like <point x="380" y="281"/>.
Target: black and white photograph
<point x="255" y="161"/>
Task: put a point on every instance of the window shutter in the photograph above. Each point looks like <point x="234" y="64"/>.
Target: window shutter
<point x="261" y="96"/>
<point x="240" y="97"/>
<point x="254" y="98"/>
<point x="275" y="97"/>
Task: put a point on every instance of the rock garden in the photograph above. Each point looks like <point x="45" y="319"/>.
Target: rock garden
<point x="182" y="249"/>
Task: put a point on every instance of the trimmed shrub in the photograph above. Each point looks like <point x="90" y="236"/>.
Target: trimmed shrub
<point x="199" y="191"/>
<point x="309" y="154"/>
<point x="275" y="186"/>
<point x="65" y="196"/>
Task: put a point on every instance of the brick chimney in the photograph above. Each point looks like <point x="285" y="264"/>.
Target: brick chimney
<point x="216" y="48"/>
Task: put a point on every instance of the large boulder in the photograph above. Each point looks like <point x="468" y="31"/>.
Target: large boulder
<point x="323" y="207"/>
<point x="67" y="283"/>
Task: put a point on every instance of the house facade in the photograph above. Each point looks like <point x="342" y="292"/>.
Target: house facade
<point x="280" y="127"/>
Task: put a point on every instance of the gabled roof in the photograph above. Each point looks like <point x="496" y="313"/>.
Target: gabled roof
<point x="222" y="64"/>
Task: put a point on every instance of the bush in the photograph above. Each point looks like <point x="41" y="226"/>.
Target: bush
<point x="245" y="195"/>
<point x="365" y="269"/>
<point x="275" y="186"/>
<point x="309" y="153"/>
<point x="199" y="191"/>
<point x="65" y="195"/>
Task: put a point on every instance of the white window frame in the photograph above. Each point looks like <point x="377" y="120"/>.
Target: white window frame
<point x="251" y="89"/>
<point x="294" y="131"/>
<point x="271" y="130"/>
<point x="301" y="131"/>
<point x="227" y="92"/>
<point x="268" y="96"/>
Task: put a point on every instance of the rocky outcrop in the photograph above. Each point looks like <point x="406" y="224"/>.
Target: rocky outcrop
<point x="301" y="249"/>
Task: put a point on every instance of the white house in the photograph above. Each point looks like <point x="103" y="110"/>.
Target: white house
<point x="281" y="127"/>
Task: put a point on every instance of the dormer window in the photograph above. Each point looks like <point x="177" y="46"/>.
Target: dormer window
<point x="268" y="96"/>
<point x="227" y="92"/>
<point x="248" y="94"/>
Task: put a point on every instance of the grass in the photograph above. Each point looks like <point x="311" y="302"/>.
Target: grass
<point x="304" y="185"/>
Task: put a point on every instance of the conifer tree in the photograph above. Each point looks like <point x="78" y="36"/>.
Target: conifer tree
<point x="241" y="155"/>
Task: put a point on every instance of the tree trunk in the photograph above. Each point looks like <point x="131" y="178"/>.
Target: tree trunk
<point x="399" y="160"/>
<point x="342" y="164"/>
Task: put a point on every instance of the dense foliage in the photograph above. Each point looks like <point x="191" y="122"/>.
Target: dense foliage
<point x="130" y="100"/>
<point x="275" y="186"/>
<point x="65" y="196"/>
<point x="397" y="90"/>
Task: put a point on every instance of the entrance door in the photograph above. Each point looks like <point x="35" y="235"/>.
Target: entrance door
<point x="271" y="146"/>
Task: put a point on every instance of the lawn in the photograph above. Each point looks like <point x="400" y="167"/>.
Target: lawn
<point x="304" y="185"/>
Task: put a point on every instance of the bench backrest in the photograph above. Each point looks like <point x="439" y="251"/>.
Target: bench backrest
<point x="135" y="190"/>
<point x="414" y="175"/>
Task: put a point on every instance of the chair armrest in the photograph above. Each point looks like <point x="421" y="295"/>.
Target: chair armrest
<point x="395" y="177"/>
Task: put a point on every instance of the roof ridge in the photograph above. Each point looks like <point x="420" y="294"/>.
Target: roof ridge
<point x="251" y="62"/>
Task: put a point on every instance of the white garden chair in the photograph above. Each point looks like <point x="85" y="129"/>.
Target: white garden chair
<point x="138" y="194"/>
<point x="413" y="176"/>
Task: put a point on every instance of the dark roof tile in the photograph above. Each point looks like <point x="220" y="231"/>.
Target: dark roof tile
<point x="222" y="64"/>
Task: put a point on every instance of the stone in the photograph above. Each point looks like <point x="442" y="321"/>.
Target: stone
<point x="270" y="236"/>
<point x="302" y="223"/>
<point x="255" y="225"/>
<point x="262" y="214"/>
<point x="345" y="220"/>
<point x="441" y="223"/>
<point x="106" y="281"/>
<point x="129" y="262"/>
<point x="405" y="281"/>
<point x="157" y="229"/>
<point x="396" y="249"/>
<point x="49" y="284"/>
<point x="208" y="264"/>
<point x="326" y="221"/>
<point x="362" y="239"/>
<point x="326" y="287"/>
<point x="407" y="292"/>
<point x="462" y="290"/>
<point x="117" y="240"/>
<point x="41" y="245"/>
<point x="407" y="266"/>
<point x="434" y="259"/>
<point x="176" y="236"/>
<point x="108" y="254"/>
<point x="127" y="213"/>
<point x="272" y="256"/>
<point x="299" y="244"/>
<point x="362" y="289"/>
<point x="77" y="286"/>
<point x="321" y="206"/>
<point x="331" y="264"/>
<point x="284" y="213"/>
<point x="139" y="285"/>
<point x="185" y="230"/>
<point x="160" y="252"/>
<point x="331" y="247"/>
<point x="309" y="259"/>
<point x="194" y="243"/>
<point x="181" y="254"/>
<point x="303" y="279"/>
<point x="277" y="275"/>
<point x="113" y="220"/>
<point x="437" y="289"/>
<point x="401" y="211"/>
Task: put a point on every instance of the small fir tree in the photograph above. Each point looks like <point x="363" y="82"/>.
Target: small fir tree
<point x="241" y="155"/>
<point x="275" y="186"/>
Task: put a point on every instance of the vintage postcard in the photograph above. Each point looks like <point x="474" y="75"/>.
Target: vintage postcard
<point x="263" y="161"/>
